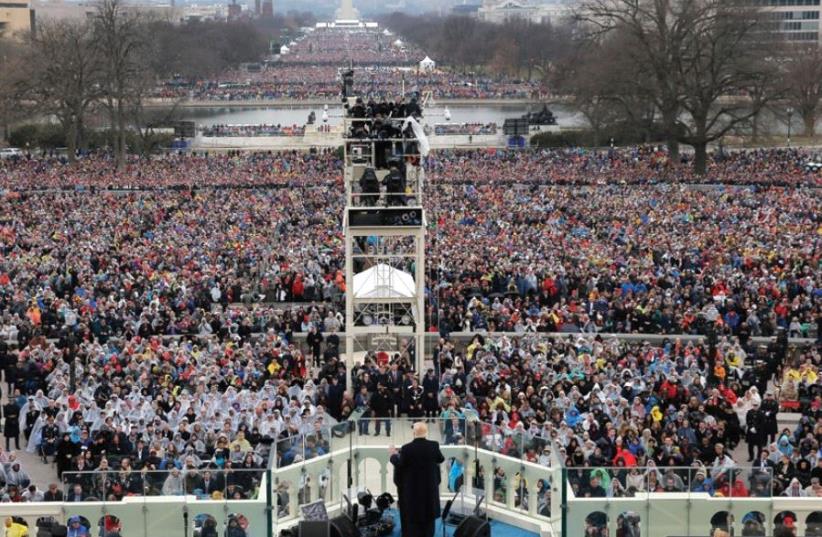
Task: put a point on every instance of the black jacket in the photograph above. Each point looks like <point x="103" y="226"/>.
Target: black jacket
<point x="12" y="414"/>
<point x="417" y="476"/>
<point x="770" y="408"/>
<point x="755" y="423"/>
<point x="382" y="403"/>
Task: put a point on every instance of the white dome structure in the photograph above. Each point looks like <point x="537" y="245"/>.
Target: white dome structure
<point x="384" y="281"/>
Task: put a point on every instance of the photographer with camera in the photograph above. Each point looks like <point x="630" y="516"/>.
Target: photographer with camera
<point x="382" y="405"/>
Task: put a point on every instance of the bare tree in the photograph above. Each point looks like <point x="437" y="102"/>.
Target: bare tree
<point x="606" y="87"/>
<point x="803" y="78"/>
<point x="65" y="76"/>
<point x="704" y="56"/>
<point x="766" y="88"/>
<point x="654" y="32"/>
<point x="588" y="78"/>
<point x="123" y="43"/>
<point x="12" y="76"/>
<point x="517" y="47"/>
<point x="506" y="56"/>
<point x="721" y="59"/>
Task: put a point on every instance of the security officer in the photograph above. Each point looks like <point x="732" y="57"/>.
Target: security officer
<point x="770" y="407"/>
<point x="755" y="435"/>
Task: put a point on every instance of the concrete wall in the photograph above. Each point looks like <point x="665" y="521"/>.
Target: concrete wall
<point x="675" y="514"/>
<point x="148" y="516"/>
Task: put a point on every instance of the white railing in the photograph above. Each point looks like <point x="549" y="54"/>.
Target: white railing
<point x="148" y="516"/>
<point x="515" y="490"/>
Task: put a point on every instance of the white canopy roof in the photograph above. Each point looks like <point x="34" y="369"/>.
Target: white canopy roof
<point x="428" y="61"/>
<point x="384" y="281"/>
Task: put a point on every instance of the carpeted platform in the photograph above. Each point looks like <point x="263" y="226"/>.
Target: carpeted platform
<point x="498" y="529"/>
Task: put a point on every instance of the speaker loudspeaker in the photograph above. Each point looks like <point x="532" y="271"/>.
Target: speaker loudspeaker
<point x="473" y="526"/>
<point x="342" y="526"/>
<point x="314" y="528"/>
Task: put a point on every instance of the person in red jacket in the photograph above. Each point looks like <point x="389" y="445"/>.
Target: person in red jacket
<point x="625" y="458"/>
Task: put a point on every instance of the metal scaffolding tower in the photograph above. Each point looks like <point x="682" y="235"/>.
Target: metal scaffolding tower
<point x="384" y="237"/>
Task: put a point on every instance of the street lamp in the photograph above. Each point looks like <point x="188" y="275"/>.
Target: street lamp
<point x="790" y="120"/>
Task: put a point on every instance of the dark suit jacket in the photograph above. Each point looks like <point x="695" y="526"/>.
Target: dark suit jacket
<point x="12" y="426"/>
<point x="215" y="483"/>
<point x="417" y="476"/>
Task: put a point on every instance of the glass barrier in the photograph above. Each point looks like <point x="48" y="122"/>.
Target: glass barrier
<point x="456" y="429"/>
<point x="225" y="483"/>
<point x="529" y="492"/>
<point x="295" y="448"/>
<point x="633" y="481"/>
<point x="396" y="432"/>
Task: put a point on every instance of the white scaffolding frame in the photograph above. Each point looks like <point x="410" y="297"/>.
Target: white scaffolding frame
<point x="393" y="318"/>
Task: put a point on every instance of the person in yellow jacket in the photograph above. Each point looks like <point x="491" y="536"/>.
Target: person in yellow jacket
<point x="15" y="529"/>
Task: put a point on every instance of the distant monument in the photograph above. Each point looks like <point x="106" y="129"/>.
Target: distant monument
<point x="346" y="12"/>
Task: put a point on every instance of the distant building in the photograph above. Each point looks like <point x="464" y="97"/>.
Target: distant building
<point x="267" y="9"/>
<point x="499" y="11"/>
<point x="467" y="10"/>
<point x="16" y="18"/>
<point x="234" y="10"/>
<point x="347" y="12"/>
<point x="795" y="20"/>
<point x="203" y="12"/>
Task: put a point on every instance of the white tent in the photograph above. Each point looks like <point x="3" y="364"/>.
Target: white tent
<point x="384" y="281"/>
<point x="427" y="64"/>
<point x="284" y="50"/>
<point x="387" y="32"/>
<point x="398" y="43"/>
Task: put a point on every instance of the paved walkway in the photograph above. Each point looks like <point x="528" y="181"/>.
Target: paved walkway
<point x="40" y="474"/>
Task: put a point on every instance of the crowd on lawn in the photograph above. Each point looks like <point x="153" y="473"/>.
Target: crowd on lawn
<point x="310" y="70"/>
<point x="252" y="130"/>
<point x="302" y="82"/>
<point x="529" y="242"/>
<point x="441" y="129"/>
<point x="339" y="46"/>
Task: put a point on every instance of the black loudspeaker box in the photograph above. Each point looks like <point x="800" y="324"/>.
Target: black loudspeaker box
<point x="314" y="528"/>
<point x="473" y="526"/>
<point x="341" y="526"/>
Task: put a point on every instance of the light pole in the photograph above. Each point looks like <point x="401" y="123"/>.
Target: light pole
<point x="790" y="120"/>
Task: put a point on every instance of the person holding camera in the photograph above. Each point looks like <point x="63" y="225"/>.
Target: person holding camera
<point x="382" y="405"/>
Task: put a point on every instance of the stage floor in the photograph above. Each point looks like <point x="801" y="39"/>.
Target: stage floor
<point x="498" y="529"/>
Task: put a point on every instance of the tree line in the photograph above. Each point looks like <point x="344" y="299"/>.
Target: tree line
<point x="109" y="63"/>
<point x="686" y="71"/>
<point x="517" y="48"/>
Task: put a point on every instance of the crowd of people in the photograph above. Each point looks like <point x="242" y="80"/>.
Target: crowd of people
<point x="164" y="298"/>
<point x="310" y="70"/>
<point x="338" y="46"/>
<point x="252" y="130"/>
<point x="441" y="129"/>
<point x="302" y="82"/>
<point x="538" y="257"/>
<point x="288" y="169"/>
